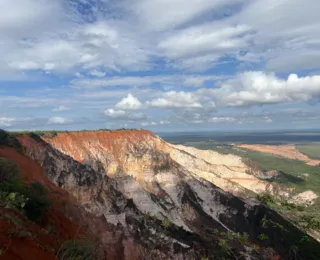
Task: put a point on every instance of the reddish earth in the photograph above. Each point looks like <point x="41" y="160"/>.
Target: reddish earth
<point x="288" y="151"/>
<point x="108" y="140"/>
<point x="21" y="239"/>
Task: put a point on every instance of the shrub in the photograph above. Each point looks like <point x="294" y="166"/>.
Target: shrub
<point x="265" y="199"/>
<point x="263" y="237"/>
<point x="243" y="239"/>
<point x="224" y="245"/>
<point x="36" y="207"/>
<point x="78" y="250"/>
<point x="309" y="222"/>
<point x="7" y="169"/>
<point x="16" y="194"/>
<point x="12" y="200"/>
<point x="38" y="189"/>
<point x="165" y="223"/>
<point x="10" y="140"/>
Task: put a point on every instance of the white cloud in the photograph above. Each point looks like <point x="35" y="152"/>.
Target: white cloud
<point x="148" y="123"/>
<point x="205" y="39"/>
<point x="192" y="35"/>
<point x="165" y="122"/>
<point x="99" y="54"/>
<point x="256" y="87"/>
<point x="115" y="113"/>
<point x="97" y="73"/>
<point x="173" y="99"/>
<point x="124" y="115"/>
<point x="7" y="121"/>
<point x="221" y="120"/>
<point x="129" y="103"/>
<point x="287" y="33"/>
<point x="61" y="108"/>
<point x="177" y="80"/>
<point x="57" y="120"/>
<point x="157" y="15"/>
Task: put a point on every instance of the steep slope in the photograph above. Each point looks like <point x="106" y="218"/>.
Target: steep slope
<point x="166" y="198"/>
<point x="23" y="239"/>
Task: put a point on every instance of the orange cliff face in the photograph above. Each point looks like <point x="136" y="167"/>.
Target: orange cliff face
<point x="80" y="144"/>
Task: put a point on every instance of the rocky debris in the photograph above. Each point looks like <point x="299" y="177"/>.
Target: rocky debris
<point x="304" y="198"/>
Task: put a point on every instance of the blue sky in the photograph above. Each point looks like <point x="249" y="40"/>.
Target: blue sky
<point x="164" y="65"/>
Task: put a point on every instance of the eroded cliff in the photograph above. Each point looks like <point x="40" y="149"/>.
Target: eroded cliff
<point x="170" y="202"/>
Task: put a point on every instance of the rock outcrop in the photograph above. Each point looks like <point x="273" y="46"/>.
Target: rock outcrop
<point x="154" y="200"/>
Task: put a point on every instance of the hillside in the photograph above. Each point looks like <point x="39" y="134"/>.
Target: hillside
<point x="143" y="198"/>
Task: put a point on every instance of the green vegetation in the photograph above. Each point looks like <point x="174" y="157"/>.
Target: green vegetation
<point x="266" y="199"/>
<point x="16" y="194"/>
<point x="263" y="237"/>
<point x="307" y="218"/>
<point x="165" y="223"/>
<point x="46" y="134"/>
<point x="10" y="140"/>
<point x="309" y="222"/>
<point x="79" y="250"/>
<point x="242" y="238"/>
<point x="312" y="150"/>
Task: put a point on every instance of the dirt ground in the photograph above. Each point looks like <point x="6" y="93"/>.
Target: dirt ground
<point x="287" y="151"/>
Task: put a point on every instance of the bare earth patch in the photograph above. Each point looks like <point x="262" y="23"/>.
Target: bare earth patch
<point x="287" y="151"/>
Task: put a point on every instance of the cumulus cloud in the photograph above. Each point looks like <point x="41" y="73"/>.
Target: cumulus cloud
<point x="97" y="73"/>
<point x="129" y="103"/>
<point x="256" y="87"/>
<point x="115" y="113"/>
<point x="57" y="120"/>
<point x="124" y="115"/>
<point x="7" y="121"/>
<point x="61" y="108"/>
<point x="174" y="99"/>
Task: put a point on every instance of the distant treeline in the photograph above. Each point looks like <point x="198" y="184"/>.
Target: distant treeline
<point x="53" y="133"/>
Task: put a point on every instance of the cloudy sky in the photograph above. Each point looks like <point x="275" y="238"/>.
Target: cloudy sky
<point x="165" y="65"/>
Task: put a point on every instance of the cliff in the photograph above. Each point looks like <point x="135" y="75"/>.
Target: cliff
<point x="147" y="199"/>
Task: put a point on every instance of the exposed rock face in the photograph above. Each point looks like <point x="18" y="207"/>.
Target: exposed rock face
<point x="139" y="184"/>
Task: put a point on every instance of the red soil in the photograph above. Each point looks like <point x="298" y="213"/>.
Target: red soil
<point x="74" y="142"/>
<point x="37" y="244"/>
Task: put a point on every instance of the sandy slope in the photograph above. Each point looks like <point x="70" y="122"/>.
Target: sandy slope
<point x="288" y="151"/>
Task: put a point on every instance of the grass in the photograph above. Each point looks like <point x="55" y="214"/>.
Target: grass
<point x="312" y="150"/>
<point x="79" y="250"/>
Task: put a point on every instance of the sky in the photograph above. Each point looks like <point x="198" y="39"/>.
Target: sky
<point x="163" y="65"/>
